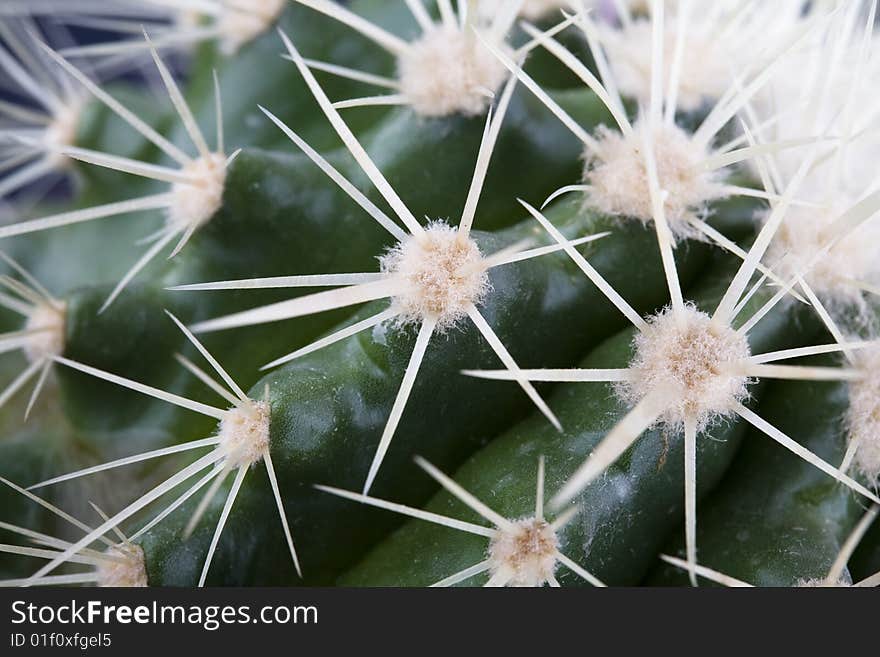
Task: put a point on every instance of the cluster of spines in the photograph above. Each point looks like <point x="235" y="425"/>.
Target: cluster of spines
<point x="650" y="170"/>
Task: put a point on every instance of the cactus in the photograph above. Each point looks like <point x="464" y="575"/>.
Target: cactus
<point x="311" y="254"/>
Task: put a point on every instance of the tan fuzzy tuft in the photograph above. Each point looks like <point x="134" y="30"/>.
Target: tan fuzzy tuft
<point x="619" y="180"/>
<point x="50" y="322"/>
<point x="445" y="275"/>
<point x="131" y="572"/>
<point x="244" y="434"/>
<point x="62" y="130"/>
<point x="716" y="57"/>
<point x="448" y="71"/>
<point x="863" y="415"/>
<point x="691" y="363"/>
<point x="842" y="174"/>
<point x="803" y="234"/>
<point x="188" y="19"/>
<point x="526" y="553"/>
<point x="194" y="204"/>
<point x="705" y="72"/>
<point x="240" y="26"/>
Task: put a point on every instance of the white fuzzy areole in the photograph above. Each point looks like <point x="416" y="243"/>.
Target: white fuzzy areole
<point x="50" y="322"/>
<point x="839" y="110"/>
<point x="527" y="553"/>
<point x="244" y="434"/>
<point x="705" y="69"/>
<point x="448" y="71"/>
<point x="129" y="573"/>
<point x="445" y="273"/>
<point x="618" y="178"/>
<point x="195" y="203"/>
<point x="863" y="414"/>
<point x="62" y="130"/>
<point x="715" y="56"/>
<point x="838" y="179"/>
<point x="690" y="361"/>
<point x="804" y="232"/>
<point x="240" y="27"/>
